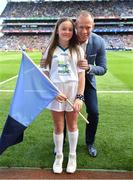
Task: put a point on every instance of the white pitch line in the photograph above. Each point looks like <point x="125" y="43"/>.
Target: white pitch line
<point x="116" y="92"/>
<point x="5" y="90"/>
<point x="3" y="82"/>
<point x="104" y="92"/>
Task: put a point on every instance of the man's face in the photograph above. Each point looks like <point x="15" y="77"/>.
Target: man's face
<point x="84" y="26"/>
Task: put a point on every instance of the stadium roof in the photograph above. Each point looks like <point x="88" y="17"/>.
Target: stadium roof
<point x="2" y="5"/>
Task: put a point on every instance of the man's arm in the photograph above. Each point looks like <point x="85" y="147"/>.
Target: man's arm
<point x="100" y="66"/>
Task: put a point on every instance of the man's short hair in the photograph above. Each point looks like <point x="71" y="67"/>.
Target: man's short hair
<point x="85" y="13"/>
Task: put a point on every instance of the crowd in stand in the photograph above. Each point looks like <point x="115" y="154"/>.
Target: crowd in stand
<point x="32" y="42"/>
<point x="50" y="29"/>
<point x="57" y="9"/>
<point x="118" y="42"/>
<point x="39" y="42"/>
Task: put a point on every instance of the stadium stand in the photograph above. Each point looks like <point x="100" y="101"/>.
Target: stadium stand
<point x="68" y="8"/>
<point x="31" y="23"/>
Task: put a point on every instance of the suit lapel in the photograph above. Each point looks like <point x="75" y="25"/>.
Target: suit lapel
<point x="89" y="48"/>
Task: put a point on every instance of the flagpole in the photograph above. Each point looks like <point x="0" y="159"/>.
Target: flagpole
<point x="79" y="112"/>
<point x="54" y="85"/>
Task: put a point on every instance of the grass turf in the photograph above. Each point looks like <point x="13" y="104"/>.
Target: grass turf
<point x="114" y="139"/>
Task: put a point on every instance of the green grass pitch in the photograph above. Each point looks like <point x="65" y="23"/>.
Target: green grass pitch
<point x="114" y="139"/>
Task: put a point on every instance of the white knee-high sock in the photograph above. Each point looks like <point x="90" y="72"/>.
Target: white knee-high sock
<point x="58" y="141"/>
<point x="73" y="140"/>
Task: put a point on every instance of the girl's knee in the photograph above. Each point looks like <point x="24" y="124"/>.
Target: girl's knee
<point x="72" y="128"/>
<point x="58" y="129"/>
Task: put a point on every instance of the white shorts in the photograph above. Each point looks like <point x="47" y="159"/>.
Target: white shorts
<point x="70" y="90"/>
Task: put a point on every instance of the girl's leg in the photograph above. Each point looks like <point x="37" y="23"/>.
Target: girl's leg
<point x="73" y="140"/>
<point x="72" y="131"/>
<point x="58" y="118"/>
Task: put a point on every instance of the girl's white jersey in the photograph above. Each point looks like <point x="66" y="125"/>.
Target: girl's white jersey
<point x="64" y="65"/>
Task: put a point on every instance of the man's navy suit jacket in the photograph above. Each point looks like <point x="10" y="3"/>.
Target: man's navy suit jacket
<point x="96" y="57"/>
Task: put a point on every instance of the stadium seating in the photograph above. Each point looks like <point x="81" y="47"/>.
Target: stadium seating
<point x="31" y="23"/>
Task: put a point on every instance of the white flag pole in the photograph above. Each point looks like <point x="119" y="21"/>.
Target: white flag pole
<point x="79" y="112"/>
<point x="54" y="85"/>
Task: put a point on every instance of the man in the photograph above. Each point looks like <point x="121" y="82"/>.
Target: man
<point x="94" y="64"/>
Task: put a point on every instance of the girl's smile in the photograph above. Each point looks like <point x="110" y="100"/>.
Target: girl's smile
<point x="65" y="32"/>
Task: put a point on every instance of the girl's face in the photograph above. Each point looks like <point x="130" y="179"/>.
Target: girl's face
<point x="65" y="32"/>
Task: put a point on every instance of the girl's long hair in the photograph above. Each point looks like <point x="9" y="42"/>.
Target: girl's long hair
<point x="54" y="41"/>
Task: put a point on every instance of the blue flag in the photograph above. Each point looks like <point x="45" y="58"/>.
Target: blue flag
<point x="32" y="94"/>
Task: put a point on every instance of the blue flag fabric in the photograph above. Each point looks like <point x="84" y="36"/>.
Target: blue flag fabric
<point x="33" y="93"/>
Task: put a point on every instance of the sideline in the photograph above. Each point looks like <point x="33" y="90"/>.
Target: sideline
<point x="116" y="92"/>
<point x="37" y="173"/>
<point x="3" y="82"/>
<point x="100" y="91"/>
<point x="78" y="169"/>
<point x="104" y="92"/>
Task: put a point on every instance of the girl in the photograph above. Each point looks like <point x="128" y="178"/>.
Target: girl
<point x="61" y="58"/>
